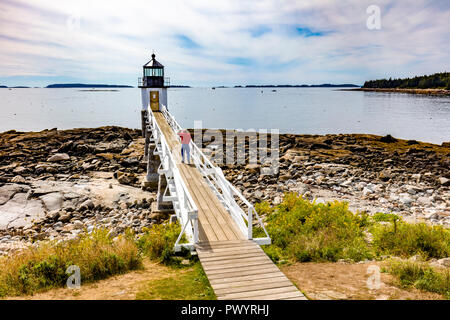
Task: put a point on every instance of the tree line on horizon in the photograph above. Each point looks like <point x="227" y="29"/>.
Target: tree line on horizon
<point x="434" y="81"/>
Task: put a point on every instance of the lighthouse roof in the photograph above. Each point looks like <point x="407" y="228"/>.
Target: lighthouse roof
<point x="153" y="63"/>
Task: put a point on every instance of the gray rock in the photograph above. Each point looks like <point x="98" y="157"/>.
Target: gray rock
<point x="18" y="179"/>
<point x="8" y="191"/>
<point x="426" y="201"/>
<point x="19" y="170"/>
<point x="52" y="201"/>
<point x="444" y="262"/>
<point x="59" y="157"/>
<point x="444" y="181"/>
<point x="87" y="205"/>
<point x="54" y="214"/>
<point x="405" y="199"/>
<point x="366" y="191"/>
<point x="411" y="190"/>
<point x="65" y="217"/>
<point x="78" y="224"/>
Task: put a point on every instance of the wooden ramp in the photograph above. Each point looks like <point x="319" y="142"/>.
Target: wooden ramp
<point x="240" y="270"/>
<point x="236" y="268"/>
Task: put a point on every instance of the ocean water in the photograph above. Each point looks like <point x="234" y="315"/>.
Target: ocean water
<point x="290" y="110"/>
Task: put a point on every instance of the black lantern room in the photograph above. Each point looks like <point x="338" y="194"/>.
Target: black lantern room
<point x="153" y="76"/>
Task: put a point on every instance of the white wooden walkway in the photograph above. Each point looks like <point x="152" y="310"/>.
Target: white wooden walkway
<point x="236" y="268"/>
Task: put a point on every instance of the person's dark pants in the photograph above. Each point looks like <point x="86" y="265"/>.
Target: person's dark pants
<point x="185" y="149"/>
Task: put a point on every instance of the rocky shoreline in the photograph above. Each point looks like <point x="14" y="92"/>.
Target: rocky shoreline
<point x="56" y="183"/>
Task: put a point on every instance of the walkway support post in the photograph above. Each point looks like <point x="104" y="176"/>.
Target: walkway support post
<point x="147" y="142"/>
<point x="250" y="223"/>
<point x="152" y="179"/>
<point x="144" y="121"/>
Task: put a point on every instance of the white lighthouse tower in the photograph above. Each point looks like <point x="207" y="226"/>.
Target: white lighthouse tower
<point x="153" y="86"/>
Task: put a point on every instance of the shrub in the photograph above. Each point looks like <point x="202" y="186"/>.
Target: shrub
<point x="305" y="231"/>
<point x="158" y="241"/>
<point x="406" y="239"/>
<point x="44" y="267"/>
<point x="421" y="276"/>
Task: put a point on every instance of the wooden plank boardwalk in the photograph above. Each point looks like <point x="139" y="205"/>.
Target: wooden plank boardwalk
<point x="236" y="268"/>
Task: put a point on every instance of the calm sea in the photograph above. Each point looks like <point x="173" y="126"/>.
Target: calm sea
<point x="291" y="110"/>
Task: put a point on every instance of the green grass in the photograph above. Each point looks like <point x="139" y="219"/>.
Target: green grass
<point x="44" y="267"/>
<point x="421" y="276"/>
<point x="188" y="284"/>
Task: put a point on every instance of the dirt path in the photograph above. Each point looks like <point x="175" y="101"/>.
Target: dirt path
<point x="120" y="287"/>
<point x="325" y="281"/>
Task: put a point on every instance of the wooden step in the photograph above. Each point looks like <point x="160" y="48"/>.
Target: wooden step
<point x="260" y="294"/>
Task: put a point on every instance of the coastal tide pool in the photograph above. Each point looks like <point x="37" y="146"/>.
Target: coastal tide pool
<point x="290" y="110"/>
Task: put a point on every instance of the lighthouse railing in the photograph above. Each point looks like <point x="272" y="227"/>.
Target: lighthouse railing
<point x="185" y="208"/>
<point x="224" y="190"/>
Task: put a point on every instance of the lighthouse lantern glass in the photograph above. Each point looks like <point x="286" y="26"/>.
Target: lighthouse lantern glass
<point x="153" y="72"/>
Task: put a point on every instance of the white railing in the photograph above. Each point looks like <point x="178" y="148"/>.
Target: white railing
<point x="184" y="206"/>
<point x="223" y="189"/>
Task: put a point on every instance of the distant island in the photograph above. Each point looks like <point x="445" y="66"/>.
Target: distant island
<point x="434" y="81"/>
<point x="82" y="85"/>
<point x="18" y="87"/>
<point x="435" y="84"/>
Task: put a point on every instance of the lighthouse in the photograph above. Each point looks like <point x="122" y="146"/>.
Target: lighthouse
<point x="153" y="86"/>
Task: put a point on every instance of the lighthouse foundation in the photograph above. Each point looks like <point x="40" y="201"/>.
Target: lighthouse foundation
<point x="151" y="180"/>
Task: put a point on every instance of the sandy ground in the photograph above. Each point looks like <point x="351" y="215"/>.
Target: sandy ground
<point x="325" y="281"/>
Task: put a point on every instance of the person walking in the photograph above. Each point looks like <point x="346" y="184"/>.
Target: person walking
<point x="185" y="149"/>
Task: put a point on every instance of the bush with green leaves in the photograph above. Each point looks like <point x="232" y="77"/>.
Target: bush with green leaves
<point x="44" y="266"/>
<point x="305" y="231"/>
<point x="158" y="241"/>
<point x="407" y="239"/>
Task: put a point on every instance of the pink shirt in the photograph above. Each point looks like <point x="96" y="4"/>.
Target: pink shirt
<point x="185" y="137"/>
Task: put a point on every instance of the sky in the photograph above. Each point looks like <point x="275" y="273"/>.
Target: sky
<point x="227" y="42"/>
